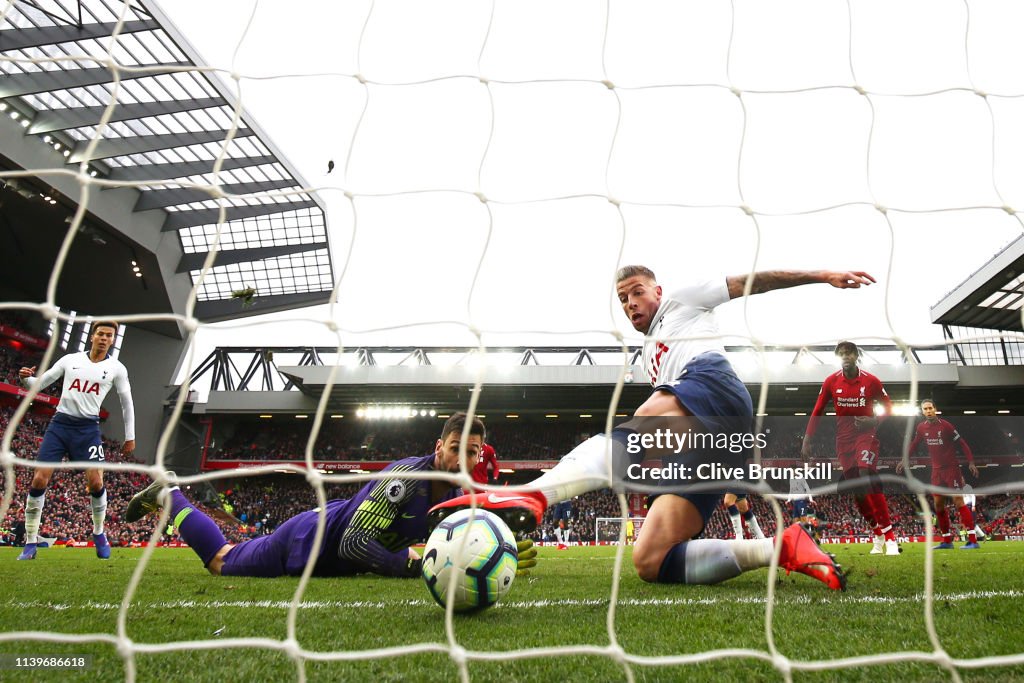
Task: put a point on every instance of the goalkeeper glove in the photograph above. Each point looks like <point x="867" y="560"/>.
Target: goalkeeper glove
<point x="527" y="557"/>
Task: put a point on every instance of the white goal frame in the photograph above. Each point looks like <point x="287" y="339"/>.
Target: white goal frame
<point x="638" y="523"/>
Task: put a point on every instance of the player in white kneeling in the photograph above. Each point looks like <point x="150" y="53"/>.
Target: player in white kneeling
<point x="75" y="428"/>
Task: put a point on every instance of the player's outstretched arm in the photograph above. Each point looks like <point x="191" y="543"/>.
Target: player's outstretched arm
<point x="770" y="280"/>
<point x="27" y="375"/>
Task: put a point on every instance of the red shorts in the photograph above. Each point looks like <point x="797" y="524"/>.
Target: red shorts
<point x="948" y="477"/>
<point x="861" y="452"/>
<point x="860" y="481"/>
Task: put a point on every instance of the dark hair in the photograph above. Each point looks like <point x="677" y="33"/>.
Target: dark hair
<point x="457" y="423"/>
<point x="847" y="345"/>
<point x="626" y="272"/>
<point x="928" y="400"/>
<point x="103" y="323"/>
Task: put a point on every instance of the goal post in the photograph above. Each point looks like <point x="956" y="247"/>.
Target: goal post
<point x="609" y="529"/>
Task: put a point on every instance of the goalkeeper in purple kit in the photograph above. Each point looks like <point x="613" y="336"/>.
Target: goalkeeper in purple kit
<point x="371" y="532"/>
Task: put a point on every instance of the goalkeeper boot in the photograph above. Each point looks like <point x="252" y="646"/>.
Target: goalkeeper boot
<point x="522" y="512"/>
<point x="148" y="500"/>
<point x="102" y="546"/>
<point x="879" y="546"/>
<point x="29" y="553"/>
<point x="945" y="545"/>
<point x="801" y="553"/>
<point x="892" y="548"/>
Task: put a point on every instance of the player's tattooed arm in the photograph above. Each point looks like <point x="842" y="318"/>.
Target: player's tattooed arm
<point x="770" y="280"/>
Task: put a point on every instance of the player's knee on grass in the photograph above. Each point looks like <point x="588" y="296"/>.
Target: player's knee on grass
<point x="647" y="561"/>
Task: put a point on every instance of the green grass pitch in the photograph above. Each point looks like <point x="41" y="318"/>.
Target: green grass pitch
<point x="565" y="603"/>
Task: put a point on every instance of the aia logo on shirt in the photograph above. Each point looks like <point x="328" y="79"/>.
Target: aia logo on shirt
<point x="85" y="386"/>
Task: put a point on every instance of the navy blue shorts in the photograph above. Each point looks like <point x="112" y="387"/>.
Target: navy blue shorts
<point x="77" y="437"/>
<point x="709" y="389"/>
<point x="800" y="507"/>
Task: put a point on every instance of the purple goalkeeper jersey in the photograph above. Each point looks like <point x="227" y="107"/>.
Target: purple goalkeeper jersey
<point x="370" y="532"/>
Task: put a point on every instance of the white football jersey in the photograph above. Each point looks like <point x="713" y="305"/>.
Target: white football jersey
<point x="86" y="385"/>
<point x="799" y="489"/>
<point x="687" y="312"/>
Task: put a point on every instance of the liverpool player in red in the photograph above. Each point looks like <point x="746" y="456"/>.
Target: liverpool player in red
<point x="853" y="393"/>
<point x="942" y="440"/>
<point x="487" y="457"/>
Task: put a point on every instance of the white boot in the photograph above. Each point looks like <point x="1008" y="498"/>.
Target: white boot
<point x="879" y="547"/>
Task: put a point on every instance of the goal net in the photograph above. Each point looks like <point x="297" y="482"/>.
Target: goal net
<point x="610" y="529"/>
<point x="491" y="166"/>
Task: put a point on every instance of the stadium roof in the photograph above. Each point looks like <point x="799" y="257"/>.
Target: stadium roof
<point x="545" y="379"/>
<point x="171" y="126"/>
<point x="991" y="298"/>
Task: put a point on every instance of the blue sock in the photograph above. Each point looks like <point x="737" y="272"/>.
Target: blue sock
<point x="199" y="531"/>
<point x="673" y="567"/>
<point x="749" y="514"/>
<point x="734" y="511"/>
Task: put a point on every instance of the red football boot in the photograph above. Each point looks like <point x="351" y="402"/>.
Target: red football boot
<point x="522" y="512"/>
<point x="800" y="553"/>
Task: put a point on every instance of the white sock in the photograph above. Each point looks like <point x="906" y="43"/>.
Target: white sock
<point x="754" y="527"/>
<point x="737" y="526"/>
<point x="99" y="511"/>
<point x="978" y="531"/>
<point x="753" y="554"/>
<point x="33" y="513"/>
<point x="711" y="561"/>
<point x="584" y="469"/>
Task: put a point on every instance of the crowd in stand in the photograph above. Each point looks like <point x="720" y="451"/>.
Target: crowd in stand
<point x="68" y="513"/>
<point x="383" y="441"/>
<point x="524" y="440"/>
<point x="257" y="506"/>
<point x="835" y="515"/>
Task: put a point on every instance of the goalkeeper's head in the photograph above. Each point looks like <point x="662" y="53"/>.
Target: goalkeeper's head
<point x="446" y="451"/>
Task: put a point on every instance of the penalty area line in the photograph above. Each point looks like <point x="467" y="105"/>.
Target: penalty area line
<point x="521" y="604"/>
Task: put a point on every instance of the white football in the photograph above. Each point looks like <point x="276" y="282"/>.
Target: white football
<point x="483" y="567"/>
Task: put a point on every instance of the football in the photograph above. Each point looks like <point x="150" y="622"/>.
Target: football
<point x="477" y="551"/>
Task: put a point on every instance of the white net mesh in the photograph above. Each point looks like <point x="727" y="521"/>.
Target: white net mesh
<point x="624" y="126"/>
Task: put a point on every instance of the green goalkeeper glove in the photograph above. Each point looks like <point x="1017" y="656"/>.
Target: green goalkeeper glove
<point x="527" y="557"/>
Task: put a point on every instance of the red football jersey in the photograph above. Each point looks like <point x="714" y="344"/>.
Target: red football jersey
<point x="941" y="438"/>
<point x="851" y="398"/>
<point x="487" y="457"/>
